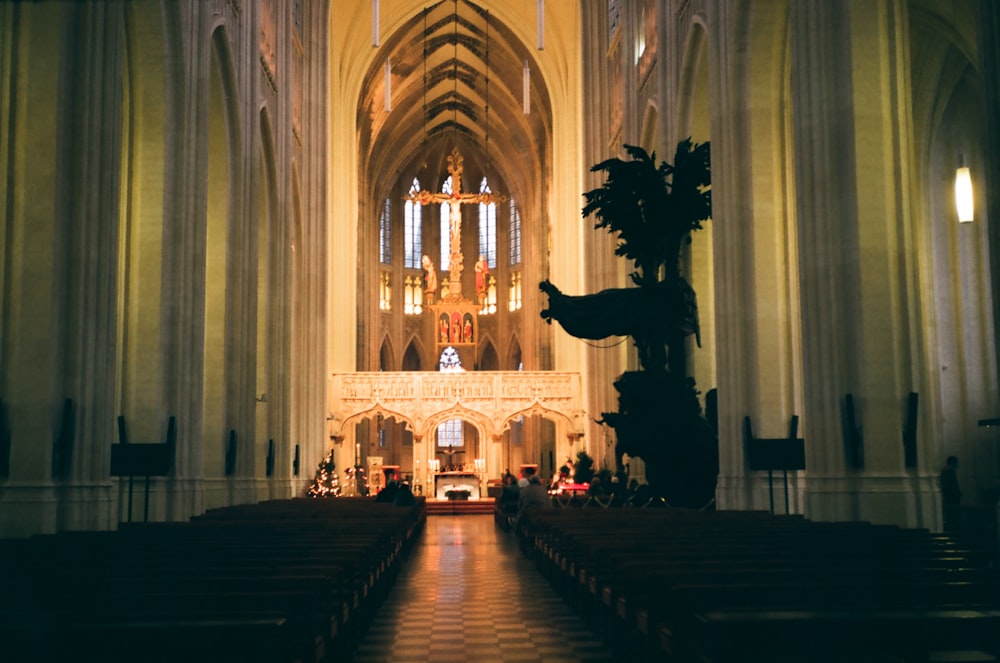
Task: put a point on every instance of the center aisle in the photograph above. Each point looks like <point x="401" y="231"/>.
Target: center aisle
<point x="468" y="594"/>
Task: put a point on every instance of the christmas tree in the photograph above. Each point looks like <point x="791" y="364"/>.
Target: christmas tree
<point x="326" y="483"/>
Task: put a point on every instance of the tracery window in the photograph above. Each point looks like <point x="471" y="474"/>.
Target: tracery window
<point x="514" y="292"/>
<point x="385" y="291"/>
<point x="412" y="225"/>
<point x="450" y="433"/>
<point x="413" y="294"/>
<point x="384" y="236"/>
<point x="515" y="233"/>
<point x="488" y="228"/>
<point x="449" y="361"/>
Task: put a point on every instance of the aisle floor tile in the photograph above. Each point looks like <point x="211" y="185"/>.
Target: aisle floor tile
<point x="468" y="594"/>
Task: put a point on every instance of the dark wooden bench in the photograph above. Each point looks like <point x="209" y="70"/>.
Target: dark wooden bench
<point x="247" y="638"/>
<point x="663" y="579"/>
<point x="298" y="578"/>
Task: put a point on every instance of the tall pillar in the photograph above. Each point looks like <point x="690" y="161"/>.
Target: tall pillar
<point x="92" y="121"/>
<point x="988" y="20"/>
<point x="853" y="147"/>
<point x="745" y="266"/>
<point x="184" y="249"/>
<point x="60" y="201"/>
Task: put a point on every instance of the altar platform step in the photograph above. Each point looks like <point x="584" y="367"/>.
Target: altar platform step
<point x="459" y="507"/>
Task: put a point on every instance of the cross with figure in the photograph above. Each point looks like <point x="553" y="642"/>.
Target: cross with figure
<point x="455" y="200"/>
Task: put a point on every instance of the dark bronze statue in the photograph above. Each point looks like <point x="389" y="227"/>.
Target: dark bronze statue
<point x="649" y="315"/>
<point x="653" y="210"/>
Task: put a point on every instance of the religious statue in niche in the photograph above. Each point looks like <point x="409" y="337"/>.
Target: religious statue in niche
<point x="456" y="327"/>
<point x="430" y="280"/>
<point x="467" y="336"/>
<point x="444" y="328"/>
<point x="653" y="209"/>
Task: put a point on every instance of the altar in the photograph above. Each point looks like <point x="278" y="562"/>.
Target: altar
<point x="448" y="481"/>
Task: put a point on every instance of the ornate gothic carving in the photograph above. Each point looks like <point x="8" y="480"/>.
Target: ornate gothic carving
<point x="487" y="399"/>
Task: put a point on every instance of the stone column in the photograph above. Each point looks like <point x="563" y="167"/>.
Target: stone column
<point x="988" y="19"/>
<point x="853" y="146"/>
<point x="87" y="216"/>
<point x="184" y="237"/>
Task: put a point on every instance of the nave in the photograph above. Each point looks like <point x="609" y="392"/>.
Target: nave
<point x="468" y="594"/>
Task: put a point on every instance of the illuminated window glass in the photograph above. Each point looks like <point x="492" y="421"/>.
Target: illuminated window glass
<point x="488" y="228"/>
<point x="385" y="254"/>
<point x="450" y="433"/>
<point x="412" y="229"/>
<point x="515" y="233"/>
<point x="450" y="361"/>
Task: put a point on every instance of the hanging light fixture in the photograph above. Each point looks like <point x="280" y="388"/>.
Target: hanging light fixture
<point x="963" y="193"/>
<point x="540" y="24"/>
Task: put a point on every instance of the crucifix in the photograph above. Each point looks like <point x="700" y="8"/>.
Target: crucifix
<point x="455" y="200"/>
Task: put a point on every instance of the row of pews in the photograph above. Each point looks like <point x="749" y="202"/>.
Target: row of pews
<point x="668" y="584"/>
<point x="288" y="580"/>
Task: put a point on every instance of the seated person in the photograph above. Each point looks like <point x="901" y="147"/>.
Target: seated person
<point x="534" y="495"/>
<point x="404" y="496"/>
<point x="505" y="509"/>
<point x="387" y="494"/>
<point x="510" y="494"/>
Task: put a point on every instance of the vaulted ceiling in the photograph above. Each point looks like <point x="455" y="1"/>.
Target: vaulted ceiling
<point x="457" y="80"/>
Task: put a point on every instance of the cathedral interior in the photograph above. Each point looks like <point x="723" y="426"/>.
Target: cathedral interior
<point x="218" y="212"/>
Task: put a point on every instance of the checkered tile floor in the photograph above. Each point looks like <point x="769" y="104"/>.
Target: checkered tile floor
<point x="467" y="594"/>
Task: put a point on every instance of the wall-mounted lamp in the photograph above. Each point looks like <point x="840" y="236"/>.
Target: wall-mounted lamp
<point x="963" y="193"/>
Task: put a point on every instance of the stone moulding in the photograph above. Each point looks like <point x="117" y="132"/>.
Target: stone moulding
<point x="488" y="399"/>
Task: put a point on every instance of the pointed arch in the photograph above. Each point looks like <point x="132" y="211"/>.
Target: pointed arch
<point x="698" y="256"/>
<point x="536" y="410"/>
<point x="514" y="356"/>
<point x="144" y="158"/>
<point x="219" y="404"/>
<point x="267" y="349"/>
<point x="693" y="79"/>
<point x="650" y="133"/>
<point x="411" y="357"/>
<point x="380" y="411"/>
<point x="386" y="361"/>
<point x="478" y="420"/>
<point x="488" y="360"/>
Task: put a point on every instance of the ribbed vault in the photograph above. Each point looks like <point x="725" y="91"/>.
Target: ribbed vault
<point x="456" y="81"/>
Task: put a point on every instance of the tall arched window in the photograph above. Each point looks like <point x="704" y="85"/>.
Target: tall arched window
<point x="488" y="228"/>
<point x="385" y="254"/>
<point x="412" y="230"/>
<point x="446" y="189"/>
<point x="515" y="233"/>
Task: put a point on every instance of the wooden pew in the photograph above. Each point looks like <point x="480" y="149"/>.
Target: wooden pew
<point x="621" y="567"/>
<point x="297" y="578"/>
